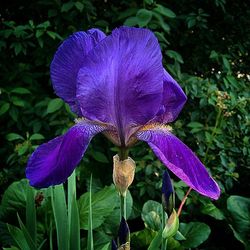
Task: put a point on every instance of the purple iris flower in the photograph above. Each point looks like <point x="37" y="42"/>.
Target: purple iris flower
<point x="117" y="85"/>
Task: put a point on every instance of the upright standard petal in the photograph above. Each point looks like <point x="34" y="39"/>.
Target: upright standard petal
<point x="53" y="162"/>
<point x="173" y="100"/>
<point x="96" y="34"/>
<point x="121" y="80"/>
<point x="67" y="62"/>
<point x="180" y="160"/>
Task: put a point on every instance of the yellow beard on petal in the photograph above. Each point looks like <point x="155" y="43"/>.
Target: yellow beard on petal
<point x="157" y="126"/>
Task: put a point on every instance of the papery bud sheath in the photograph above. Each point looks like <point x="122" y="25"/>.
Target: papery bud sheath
<point x="123" y="173"/>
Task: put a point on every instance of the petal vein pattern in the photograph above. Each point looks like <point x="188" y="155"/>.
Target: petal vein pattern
<point x="121" y="81"/>
<point x="53" y="162"/>
<point x="67" y="62"/>
<point x="180" y="160"/>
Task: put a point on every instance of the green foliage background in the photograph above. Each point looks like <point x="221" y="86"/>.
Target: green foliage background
<point x="205" y="46"/>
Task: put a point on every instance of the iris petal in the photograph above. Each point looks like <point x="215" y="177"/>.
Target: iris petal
<point x="180" y="160"/>
<point x="67" y="62"/>
<point x="121" y="80"/>
<point x="96" y="34"/>
<point x="173" y="100"/>
<point x="53" y="162"/>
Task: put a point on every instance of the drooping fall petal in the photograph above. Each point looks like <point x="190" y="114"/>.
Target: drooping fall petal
<point x="53" y="162"/>
<point x="180" y="160"/>
<point x="67" y="62"/>
<point x="121" y="81"/>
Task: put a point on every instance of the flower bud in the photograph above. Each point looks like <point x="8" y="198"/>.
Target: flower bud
<point x="113" y="245"/>
<point x="123" y="173"/>
<point x="123" y="237"/>
<point x="125" y="246"/>
<point x="168" y="196"/>
<point x="172" y="226"/>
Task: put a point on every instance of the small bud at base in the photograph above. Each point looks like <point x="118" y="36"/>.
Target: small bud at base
<point x="125" y="246"/>
<point x="172" y="226"/>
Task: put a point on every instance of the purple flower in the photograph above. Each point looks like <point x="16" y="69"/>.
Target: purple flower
<point x="118" y="86"/>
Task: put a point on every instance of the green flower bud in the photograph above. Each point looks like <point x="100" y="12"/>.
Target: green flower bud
<point x="172" y="226"/>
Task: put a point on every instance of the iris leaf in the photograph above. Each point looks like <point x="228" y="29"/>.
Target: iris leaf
<point x="31" y="213"/>
<point x="90" y="223"/>
<point x="73" y="214"/>
<point x="18" y="236"/>
<point x="60" y="215"/>
<point x="27" y="236"/>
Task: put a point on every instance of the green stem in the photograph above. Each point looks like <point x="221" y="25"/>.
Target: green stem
<point x="165" y="242"/>
<point x="183" y="201"/>
<point x="123" y="207"/>
<point x="123" y="153"/>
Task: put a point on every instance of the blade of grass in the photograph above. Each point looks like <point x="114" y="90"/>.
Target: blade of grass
<point x="156" y="242"/>
<point x="27" y="236"/>
<point x="18" y="237"/>
<point x="41" y="245"/>
<point x="75" y="227"/>
<point x="31" y="214"/>
<point x="71" y="192"/>
<point x="73" y="214"/>
<point x="163" y="244"/>
<point x="50" y="236"/>
<point x="90" y="224"/>
<point x="60" y="214"/>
